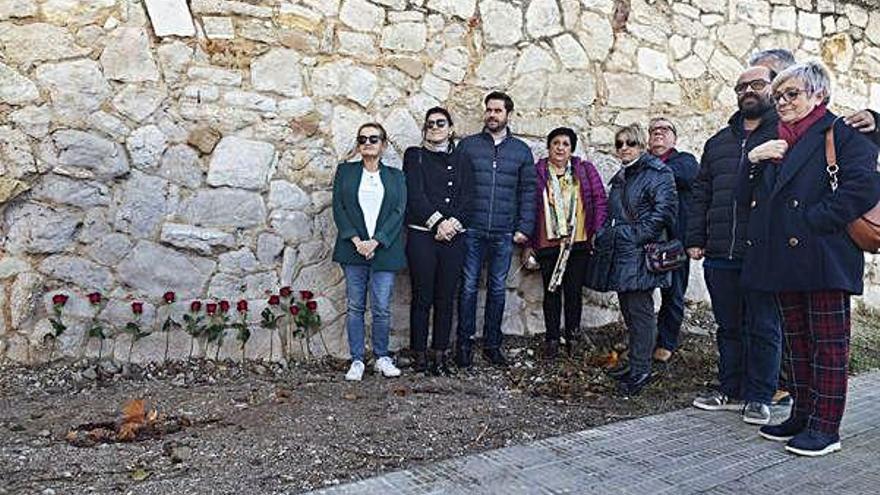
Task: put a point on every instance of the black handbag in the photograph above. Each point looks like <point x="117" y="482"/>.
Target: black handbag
<point x="663" y="256"/>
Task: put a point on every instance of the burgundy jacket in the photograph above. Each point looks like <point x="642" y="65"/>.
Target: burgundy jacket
<point x="593" y="196"/>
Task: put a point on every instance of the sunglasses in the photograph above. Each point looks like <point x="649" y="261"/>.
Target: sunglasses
<point x="375" y="138"/>
<point x="755" y="85"/>
<point x="629" y="143"/>
<point x="439" y="123"/>
<point x="787" y="96"/>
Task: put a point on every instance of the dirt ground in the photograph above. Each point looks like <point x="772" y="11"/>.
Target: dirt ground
<point x="269" y="429"/>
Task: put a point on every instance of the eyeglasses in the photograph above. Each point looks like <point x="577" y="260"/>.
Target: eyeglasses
<point x="630" y="143"/>
<point x="375" y="138"/>
<point x="787" y="96"/>
<point x="661" y="128"/>
<point x="755" y="85"/>
<point x="439" y="123"/>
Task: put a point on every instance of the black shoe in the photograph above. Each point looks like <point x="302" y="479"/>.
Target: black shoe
<point x="420" y="362"/>
<point x="619" y="372"/>
<point x="464" y="357"/>
<point x="438" y="364"/>
<point x="633" y="384"/>
<point x="495" y="357"/>
<point x="784" y="431"/>
<point x="551" y="350"/>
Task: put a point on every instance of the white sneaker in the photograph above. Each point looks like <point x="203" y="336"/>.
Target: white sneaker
<point x="385" y="366"/>
<point x="356" y="372"/>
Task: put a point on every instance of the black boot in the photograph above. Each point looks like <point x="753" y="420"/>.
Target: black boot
<point x="441" y="364"/>
<point x="420" y="363"/>
<point x="551" y="350"/>
<point x="433" y="365"/>
<point x="464" y="355"/>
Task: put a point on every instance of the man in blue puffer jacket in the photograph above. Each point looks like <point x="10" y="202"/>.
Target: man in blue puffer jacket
<point x="502" y="213"/>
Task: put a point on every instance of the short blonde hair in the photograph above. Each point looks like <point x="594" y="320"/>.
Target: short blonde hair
<point x="632" y="132"/>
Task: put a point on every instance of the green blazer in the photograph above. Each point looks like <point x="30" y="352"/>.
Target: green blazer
<point x="349" y="218"/>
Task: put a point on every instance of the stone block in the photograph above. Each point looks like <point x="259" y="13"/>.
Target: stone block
<point x="170" y="17"/>
<point x="242" y="163"/>
<point x="186" y="275"/>
<point x="224" y="207"/>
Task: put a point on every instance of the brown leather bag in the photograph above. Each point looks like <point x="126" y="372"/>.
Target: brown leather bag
<point x="864" y="231"/>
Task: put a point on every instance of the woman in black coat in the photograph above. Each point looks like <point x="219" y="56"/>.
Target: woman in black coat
<point x="642" y="207"/>
<point x="438" y="200"/>
<point x="798" y="248"/>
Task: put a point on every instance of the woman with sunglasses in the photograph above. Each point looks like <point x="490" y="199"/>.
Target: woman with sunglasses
<point x="799" y="251"/>
<point x="642" y="208"/>
<point x="438" y="196"/>
<point x="571" y="205"/>
<point x="369" y="202"/>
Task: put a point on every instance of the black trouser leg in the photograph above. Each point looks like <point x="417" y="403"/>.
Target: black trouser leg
<point x="422" y="258"/>
<point x="552" y="303"/>
<point x="447" y="274"/>
<point x="572" y="283"/>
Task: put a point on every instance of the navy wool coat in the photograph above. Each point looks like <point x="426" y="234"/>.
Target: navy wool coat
<point x="797" y="239"/>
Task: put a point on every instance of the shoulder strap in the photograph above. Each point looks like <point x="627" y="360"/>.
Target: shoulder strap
<point x="831" y="157"/>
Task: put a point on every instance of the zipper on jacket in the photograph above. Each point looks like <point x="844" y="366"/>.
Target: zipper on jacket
<point x="742" y="154"/>
<point x="492" y="193"/>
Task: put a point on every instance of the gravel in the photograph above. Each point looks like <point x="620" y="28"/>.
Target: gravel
<point x="266" y="428"/>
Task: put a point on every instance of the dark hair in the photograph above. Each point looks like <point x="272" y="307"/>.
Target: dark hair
<point x="775" y="59"/>
<point x="498" y="95"/>
<point x="374" y="125"/>
<point x="445" y="112"/>
<point x="563" y="131"/>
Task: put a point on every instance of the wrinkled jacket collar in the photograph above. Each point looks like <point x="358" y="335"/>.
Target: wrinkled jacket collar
<point x="768" y="118"/>
<point x="488" y="135"/>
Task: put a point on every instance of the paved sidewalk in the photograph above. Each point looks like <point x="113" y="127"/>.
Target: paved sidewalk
<point x="688" y="451"/>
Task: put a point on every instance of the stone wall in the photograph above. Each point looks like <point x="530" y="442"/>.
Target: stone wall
<point x="190" y="146"/>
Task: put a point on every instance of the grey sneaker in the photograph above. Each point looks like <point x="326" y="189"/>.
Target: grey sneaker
<point x="756" y="413"/>
<point x="714" y="400"/>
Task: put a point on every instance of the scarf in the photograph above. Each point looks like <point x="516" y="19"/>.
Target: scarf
<point x="792" y="132"/>
<point x="665" y="156"/>
<point x="559" y="211"/>
<point x="441" y="147"/>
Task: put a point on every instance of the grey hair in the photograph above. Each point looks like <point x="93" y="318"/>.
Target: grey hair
<point x="814" y="75"/>
<point x="775" y="59"/>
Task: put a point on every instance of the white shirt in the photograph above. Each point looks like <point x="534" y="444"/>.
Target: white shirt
<point x="370" y="194"/>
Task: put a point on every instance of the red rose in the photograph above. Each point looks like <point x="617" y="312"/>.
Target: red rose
<point x="169" y="297"/>
<point x="306" y="295"/>
<point x="94" y="298"/>
<point x="59" y="299"/>
<point x="286" y="291"/>
<point x="195" y="306"/>
<point x="242" y="306"/>
<point x="294" y="309"/>
<point x="211" y="308"/>
<point x="137" y="307"/>
<point x="274" y="300"/>
<point x="224" y="306"/>
<point x="312" y="305"/>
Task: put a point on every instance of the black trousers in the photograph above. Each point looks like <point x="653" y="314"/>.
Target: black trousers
<point x="435" y="269"/>
<point x="570" y="291"/>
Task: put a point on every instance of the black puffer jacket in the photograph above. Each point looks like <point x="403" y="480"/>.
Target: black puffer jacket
<point x="716" y="221"/>
<point x="504" y="184"/>
<point x="875" y="136"/>
<point x="642" y="204"/>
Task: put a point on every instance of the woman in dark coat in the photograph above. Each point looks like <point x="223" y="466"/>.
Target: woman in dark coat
<point x="571" y="205"/>
<point x="642" y="207"/>
<point x="799" y="250"/>
<point x="439" y="193"/>
<point x="369" y="201"/>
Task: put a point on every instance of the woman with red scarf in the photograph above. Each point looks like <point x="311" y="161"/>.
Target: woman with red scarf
<point x="799" y="250"/>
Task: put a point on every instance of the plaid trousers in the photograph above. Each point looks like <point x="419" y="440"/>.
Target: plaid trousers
<point x="816" y="326"/>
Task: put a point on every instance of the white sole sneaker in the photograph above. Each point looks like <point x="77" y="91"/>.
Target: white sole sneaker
<point x="723" y="407"/>
<point x="756" y="421"/>
<point x="355" y="373"/>
<point x="834" y="447"/>
<point x="774" y="437"/>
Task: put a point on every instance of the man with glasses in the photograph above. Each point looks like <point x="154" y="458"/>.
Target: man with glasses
<point x="749" y="356"/>
<point x="501" y="214"/>
<point x="662" y="137"/>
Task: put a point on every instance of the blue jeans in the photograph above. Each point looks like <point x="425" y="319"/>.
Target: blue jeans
<point x="496" y="249"/>
<point x="671" y="313"/>
<point x="749" y="337"/>
<point x="381" y="284"/>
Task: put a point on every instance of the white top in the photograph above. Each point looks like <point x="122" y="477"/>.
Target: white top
<point x="370" y="194"/>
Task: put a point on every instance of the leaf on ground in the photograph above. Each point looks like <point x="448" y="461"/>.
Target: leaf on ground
<point x="350" y="396"/>
<point x="140" y="474"/>
<point x="133" y="411"/>
<point x="400" y="391"/>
